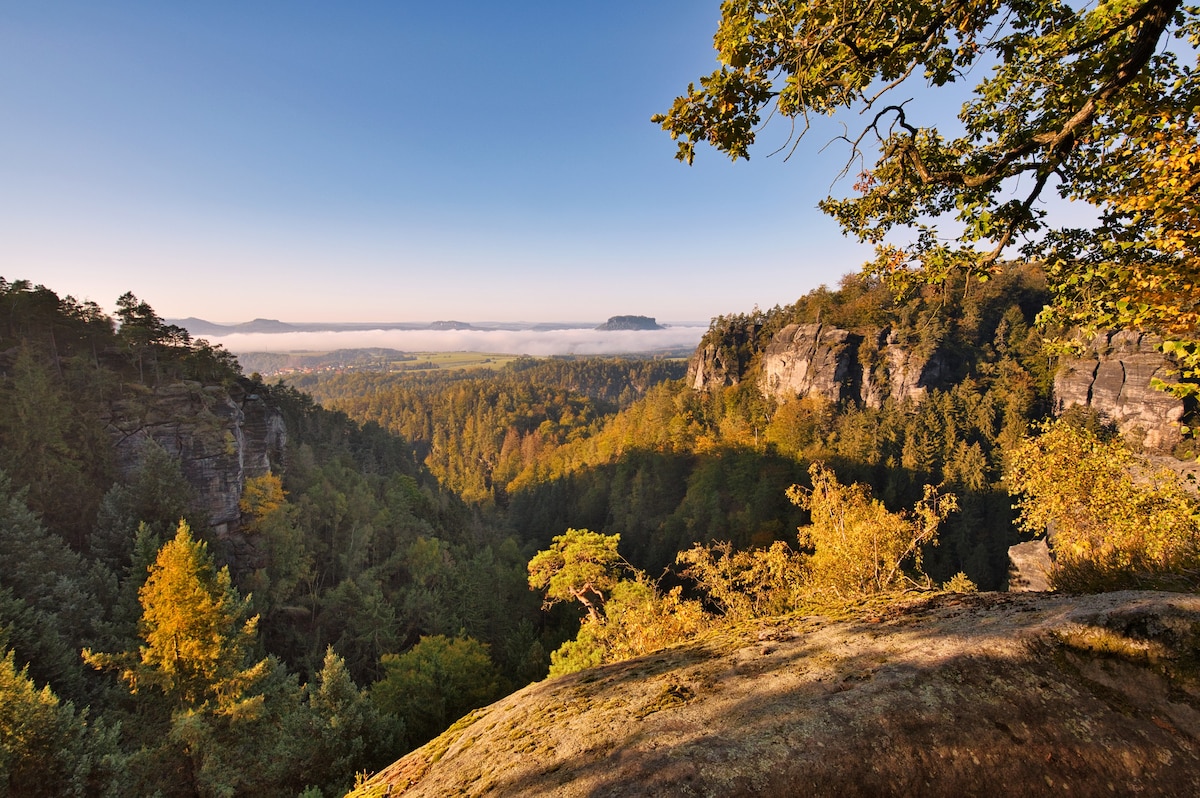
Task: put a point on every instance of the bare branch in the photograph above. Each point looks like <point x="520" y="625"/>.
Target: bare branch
<point x="1011" y="228"/>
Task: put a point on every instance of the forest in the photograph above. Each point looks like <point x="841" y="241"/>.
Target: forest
<point x="364" y="569"/>
<point x="430" y="541"/>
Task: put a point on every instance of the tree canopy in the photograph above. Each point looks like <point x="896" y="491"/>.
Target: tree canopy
<point x="859" y="547"/>
<point x="197" y="640"/>
<point x="581" y="565"/>
<point x="1092" y="102"/>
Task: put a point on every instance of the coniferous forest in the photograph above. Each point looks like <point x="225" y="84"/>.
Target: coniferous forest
<point x="419" y="544"/>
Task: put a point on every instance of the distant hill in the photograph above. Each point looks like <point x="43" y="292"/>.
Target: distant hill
<point x="948" y="695"/>
<point x="201" y="328"/>
<point x="264" y="326"/>
<point x="630" y="323"/>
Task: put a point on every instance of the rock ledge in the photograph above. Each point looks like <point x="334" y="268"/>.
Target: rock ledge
<point x="1020" y="694"/>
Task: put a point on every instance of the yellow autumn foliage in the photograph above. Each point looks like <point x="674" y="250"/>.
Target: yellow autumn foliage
<point x="1114" y="519"/>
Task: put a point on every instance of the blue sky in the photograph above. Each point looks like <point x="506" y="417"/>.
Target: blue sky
<point x="391" y="161"/>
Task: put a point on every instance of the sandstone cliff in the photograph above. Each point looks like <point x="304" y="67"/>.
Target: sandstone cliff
<point x="1113" y="376"/>
<point x="949" y="695"/>
<point x="902" y="373"/>
<point x="714" y="365"/>
<point x="222" y="437"/>
<point x="821" y="360"/>
<point x="812" y="360"/>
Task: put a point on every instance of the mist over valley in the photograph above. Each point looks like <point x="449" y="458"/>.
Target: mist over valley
<point x="540" y="340"/>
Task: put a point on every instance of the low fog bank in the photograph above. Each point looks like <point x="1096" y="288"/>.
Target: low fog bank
<point x="513" y="342"/>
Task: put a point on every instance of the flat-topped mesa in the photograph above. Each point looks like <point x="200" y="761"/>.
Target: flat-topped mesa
<point x="630" y="323"/>
<point x="1114" y="376"/>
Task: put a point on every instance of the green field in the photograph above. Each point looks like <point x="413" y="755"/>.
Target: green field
<point x="454" y="360"/>
<point x="270" y="364"/>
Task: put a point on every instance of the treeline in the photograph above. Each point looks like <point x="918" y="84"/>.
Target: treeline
<point x="353" y="578"/>
<point x="477" y="429"/>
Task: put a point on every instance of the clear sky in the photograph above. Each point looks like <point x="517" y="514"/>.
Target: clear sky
<point x="391" y="161"/>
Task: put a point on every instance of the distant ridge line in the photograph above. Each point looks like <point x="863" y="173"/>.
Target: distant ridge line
<point x="204" y="328"/>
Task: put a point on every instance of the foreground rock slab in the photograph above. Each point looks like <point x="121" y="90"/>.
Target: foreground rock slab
<point x="954" y="695"/>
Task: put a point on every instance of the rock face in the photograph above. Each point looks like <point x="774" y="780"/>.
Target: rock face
<point x="1029" y="566"/>
<point x="709" y="368"/>
<point x="837" y="365"/>
<point x="812" y="360"/>
<point x="819" y="360"/>
<point x="904" y="375"/>
<point x="951" y="695"/>
<point x="714" y="366"/>
<point x="1113" y="377"/>
<point x="221" y="437"/>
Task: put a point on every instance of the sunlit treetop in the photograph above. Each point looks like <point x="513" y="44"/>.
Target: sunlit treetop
<point x="1093" y="102"/>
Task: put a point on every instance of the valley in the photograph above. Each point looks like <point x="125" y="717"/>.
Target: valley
<point x="370" y="533"/>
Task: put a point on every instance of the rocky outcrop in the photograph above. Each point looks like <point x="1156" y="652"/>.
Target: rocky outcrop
<point x="710" y="367"/>
<point x="221" y="436"/>
<point x="722" y="360"/>
<point x="1029" y="566"/>
<point x="726" y="351"/>
<point x="812" y="360"/>
<point x="838" y="365"/>
<point x="1113" y="376"/>
<point x="905" y="376"/>
<point x="951" y="695"/>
